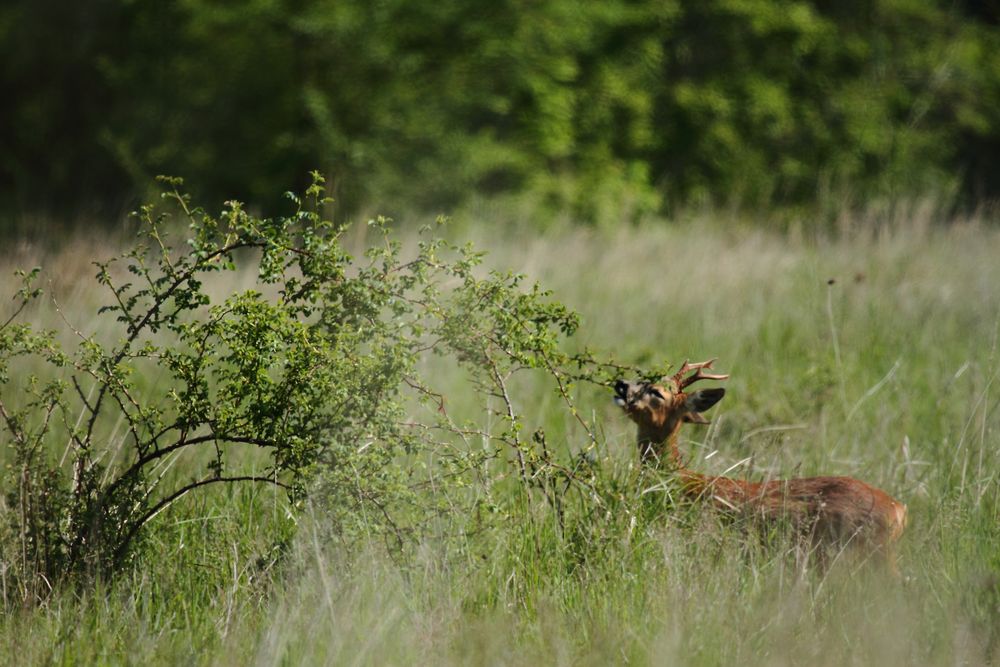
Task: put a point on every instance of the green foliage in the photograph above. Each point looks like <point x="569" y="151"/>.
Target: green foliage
<point x="888" y="374"/>
<point x="608" y="110"/>
<point x="303" y="382"/>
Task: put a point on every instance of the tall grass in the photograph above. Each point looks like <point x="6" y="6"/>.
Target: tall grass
<point x="872" y="352"/>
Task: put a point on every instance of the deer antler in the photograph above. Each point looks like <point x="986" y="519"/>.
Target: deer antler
<point x="682" y="382"/>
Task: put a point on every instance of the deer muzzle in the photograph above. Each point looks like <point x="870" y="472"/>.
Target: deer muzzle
<point x="621" y="393"/>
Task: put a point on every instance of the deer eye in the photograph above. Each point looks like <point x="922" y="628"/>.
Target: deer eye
<point x="656" y="392"/>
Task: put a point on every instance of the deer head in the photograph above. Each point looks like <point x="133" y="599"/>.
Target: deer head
<point x="660" y="409"/>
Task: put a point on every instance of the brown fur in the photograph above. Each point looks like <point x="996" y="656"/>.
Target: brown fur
<point x="833" y="512"/>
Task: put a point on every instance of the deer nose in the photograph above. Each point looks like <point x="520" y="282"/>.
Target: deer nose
<point x="621" y="388"/>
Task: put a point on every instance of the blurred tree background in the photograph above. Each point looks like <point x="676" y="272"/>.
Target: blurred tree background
<point x="607" y="110"/>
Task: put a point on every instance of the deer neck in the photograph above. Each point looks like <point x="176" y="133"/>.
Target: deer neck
<point x="658" y="444"/>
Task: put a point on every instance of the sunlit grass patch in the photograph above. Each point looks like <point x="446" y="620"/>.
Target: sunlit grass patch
<point x="887" y="373"/>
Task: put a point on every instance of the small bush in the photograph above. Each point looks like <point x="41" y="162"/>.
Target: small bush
<point x="307" y="381"/>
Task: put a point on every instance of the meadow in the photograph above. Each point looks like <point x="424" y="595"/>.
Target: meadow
<point x="868" y="349"/>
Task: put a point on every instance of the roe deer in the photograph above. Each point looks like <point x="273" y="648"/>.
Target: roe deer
<point x="830" y="511"/>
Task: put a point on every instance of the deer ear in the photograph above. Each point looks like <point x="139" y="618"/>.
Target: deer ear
<point x="702" y="400"/>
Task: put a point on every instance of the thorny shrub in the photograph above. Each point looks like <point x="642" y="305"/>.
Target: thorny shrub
<point x="314" y="371"/>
